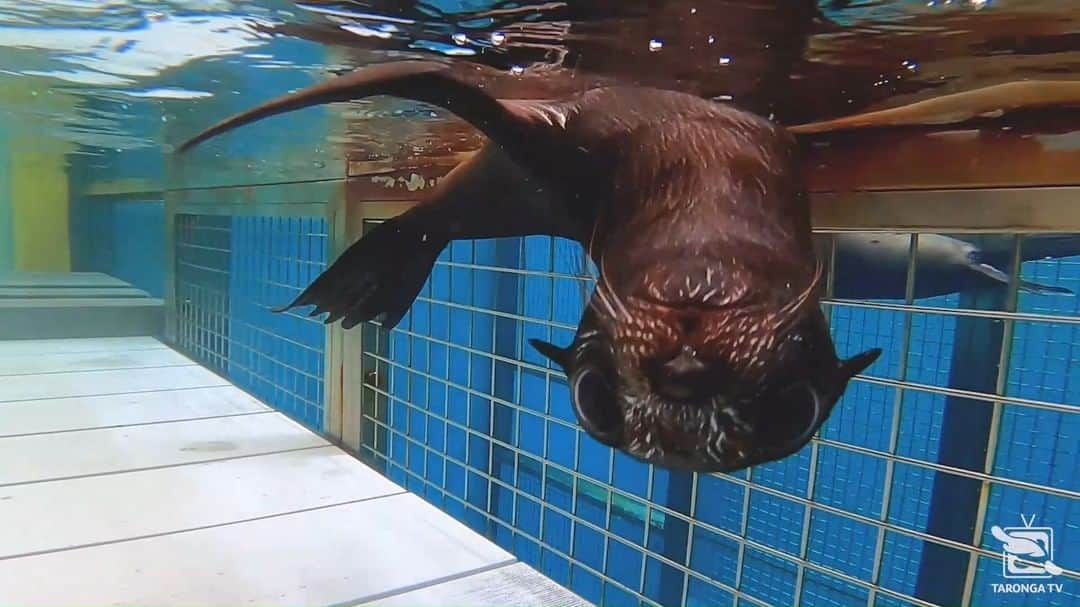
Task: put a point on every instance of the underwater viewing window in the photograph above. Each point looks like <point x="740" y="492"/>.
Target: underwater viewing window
<point x="937" y="147"/>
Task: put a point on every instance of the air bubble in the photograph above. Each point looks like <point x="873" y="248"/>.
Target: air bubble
<point x="460" y="39"/>
<point x="517" y="70"/>
<point x="725" y="61"/>
<point x="497" y="38"/>
<point x="655" y="45"/>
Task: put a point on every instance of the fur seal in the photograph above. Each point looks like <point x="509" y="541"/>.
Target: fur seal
<point x="874" y="265"/>
<point x="703" y="346"/>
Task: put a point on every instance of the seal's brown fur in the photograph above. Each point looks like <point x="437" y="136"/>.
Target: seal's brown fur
<point x="703" y="346"/>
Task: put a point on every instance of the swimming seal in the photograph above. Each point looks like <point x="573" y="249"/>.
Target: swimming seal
<point x="703" y="346"/>
<point x="874" y="265"/>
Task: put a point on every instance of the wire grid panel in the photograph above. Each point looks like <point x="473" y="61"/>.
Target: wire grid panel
<point x="937" y="444"/>
<point x="230" y="271"/>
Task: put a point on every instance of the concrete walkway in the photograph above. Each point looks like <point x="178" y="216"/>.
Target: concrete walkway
<point x="129" y="475"/>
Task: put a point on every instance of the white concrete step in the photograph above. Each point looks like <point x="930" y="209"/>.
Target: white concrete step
<point x="43" y="305"/>
<point x="71" y="292"/>
<point x="35" y="280"/>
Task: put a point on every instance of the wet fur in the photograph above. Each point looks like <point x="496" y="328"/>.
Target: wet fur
<point x="703" y="347"/>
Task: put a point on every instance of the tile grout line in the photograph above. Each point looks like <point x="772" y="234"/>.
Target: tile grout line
<point x="223" y="384"/>
<point x="453" y="577"/>
<point x="138" y="424"/>
<point x="161" y="534"/>
<point x="161" y="467"/>
<point x="104" y="369"/>
<point x="8" y="353"/>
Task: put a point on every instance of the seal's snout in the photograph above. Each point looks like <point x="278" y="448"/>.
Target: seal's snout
<point x="686" y="376"/>
<point x="700" y="405"/>
<point x="684" y="364"/>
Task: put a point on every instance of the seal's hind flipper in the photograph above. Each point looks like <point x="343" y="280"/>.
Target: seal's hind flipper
<point x="456" y="88"/>
<point x="1031" y="287"/>
<point x="1041" y="289"/>
<point x="985" y="103"/>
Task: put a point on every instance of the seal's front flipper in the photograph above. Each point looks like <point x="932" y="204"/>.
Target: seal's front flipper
<point x="1031" y="287"/>
<point x="377" y="278"/>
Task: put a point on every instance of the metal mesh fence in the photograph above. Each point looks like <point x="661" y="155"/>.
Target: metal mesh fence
<point x="230" y="270"/>
<point x="968" y="421"/>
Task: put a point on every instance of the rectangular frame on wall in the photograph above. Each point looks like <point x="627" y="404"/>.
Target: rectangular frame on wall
<point x="350" y="226"/>
<point x="1015" y="211"/>
<point x="1030" y="210"/>
<point x="118" y="232"/>
<point x="282" y="205"/>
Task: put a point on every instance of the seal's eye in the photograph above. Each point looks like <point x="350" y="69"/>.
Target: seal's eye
<point x="594" y="402"/>
<point x="800" y="413"/>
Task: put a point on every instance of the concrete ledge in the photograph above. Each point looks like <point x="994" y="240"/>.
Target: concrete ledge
<point x="75" y="292"/>
<point x="45" y="305"/>
<point x="59" y="279"/>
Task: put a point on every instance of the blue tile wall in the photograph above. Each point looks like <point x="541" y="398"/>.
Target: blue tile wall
<point x="122" y="238"/>
<point x="203" y="258"/>
<point x="466" y="414"/>
<point x="279" y="358"/>
<point x="231" y="270"/>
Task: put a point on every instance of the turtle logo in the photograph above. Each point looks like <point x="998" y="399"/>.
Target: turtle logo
<point x="1028" y="551"/>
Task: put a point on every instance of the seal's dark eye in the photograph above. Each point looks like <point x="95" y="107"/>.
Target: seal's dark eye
<point x="798" y="414"/>
<point x="594" y="402"/>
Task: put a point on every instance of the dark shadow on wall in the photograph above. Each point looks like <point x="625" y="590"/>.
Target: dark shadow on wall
<point x="121" y="237"/>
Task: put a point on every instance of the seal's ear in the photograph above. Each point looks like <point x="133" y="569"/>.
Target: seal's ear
<point x="857" y="364"/>
<point x="560" y="356"/>
<point x="455" y="87"/>
<point x="991" y="102"/>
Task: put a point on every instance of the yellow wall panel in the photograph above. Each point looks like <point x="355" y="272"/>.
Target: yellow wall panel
<point x="34" y="188"/>
<point x="39" y="215"/>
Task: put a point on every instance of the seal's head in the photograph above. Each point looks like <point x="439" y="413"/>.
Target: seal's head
<point x="704" y="346"/>
<point x="711" y="386"/>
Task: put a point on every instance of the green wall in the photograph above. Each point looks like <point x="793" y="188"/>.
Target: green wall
<point x="7" y="235"/>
